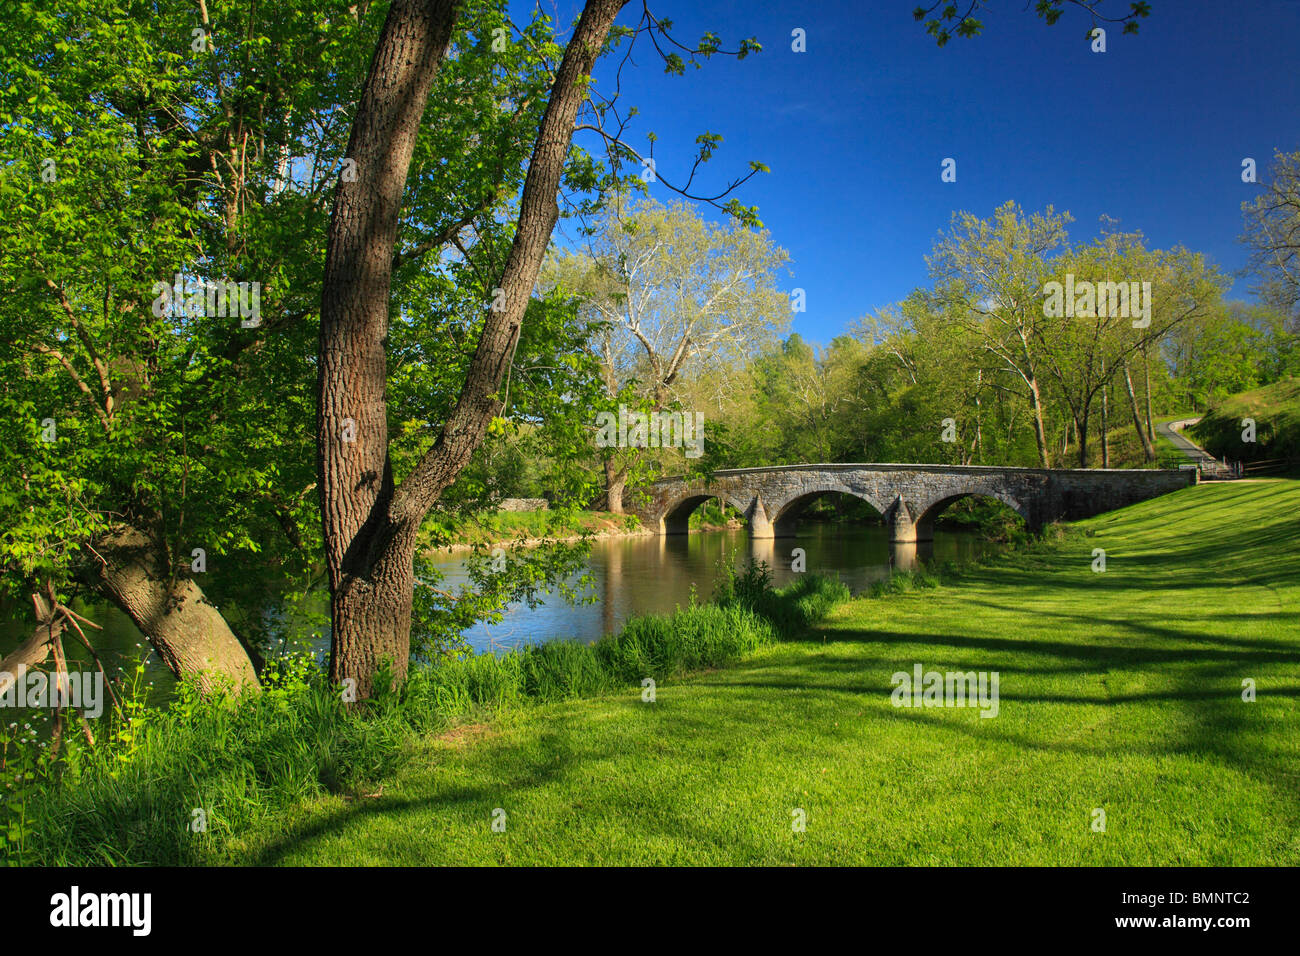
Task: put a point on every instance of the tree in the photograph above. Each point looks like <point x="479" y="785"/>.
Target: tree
<point x="171" y="428"/>
<point x="1273" y="234"/>
<point x="181" y="429"/>
<point x="1128" y="300"/>
<point x="370" y="521"/>
<point x="989" y="275"/>
<point x="671" y="299"/>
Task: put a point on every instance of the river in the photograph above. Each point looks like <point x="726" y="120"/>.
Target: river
<point x="632" y="575"/>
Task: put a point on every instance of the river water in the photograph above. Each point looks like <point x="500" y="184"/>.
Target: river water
<point x="632" y="575"/>
<point x="656" y="574"/>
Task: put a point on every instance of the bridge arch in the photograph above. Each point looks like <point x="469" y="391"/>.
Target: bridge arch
<point x="909" y="496"/>
<point x="676" y="517"/>
<point x="927" y="513"/>
<point x="785" y="517"/>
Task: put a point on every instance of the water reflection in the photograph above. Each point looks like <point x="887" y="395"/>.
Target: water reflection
<point x="910" y="555"/>
<point x="655" y="575"/>
<point x="632" y="576"/>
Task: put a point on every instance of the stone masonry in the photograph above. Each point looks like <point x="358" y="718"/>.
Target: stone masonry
<point x="909" y="497"/>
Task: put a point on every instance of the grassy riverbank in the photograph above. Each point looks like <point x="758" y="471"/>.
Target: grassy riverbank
<point x="230" y="767"/>
<point x="1120" y="691"/>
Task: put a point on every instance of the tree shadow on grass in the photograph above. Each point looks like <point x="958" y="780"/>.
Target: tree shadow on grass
<point x="715" y="738"/>
<point x="472" y="806"/>
<point x="467" y="803"/>
<point x="1105" y="654"/>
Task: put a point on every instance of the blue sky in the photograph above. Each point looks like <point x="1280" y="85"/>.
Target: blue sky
<point x="1151" y="132"/>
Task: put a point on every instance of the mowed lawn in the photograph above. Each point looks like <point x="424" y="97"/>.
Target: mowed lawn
<point x="1120" y="691"/>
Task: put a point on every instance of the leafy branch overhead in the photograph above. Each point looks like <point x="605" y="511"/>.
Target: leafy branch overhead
<point x="602" y="116"/>
<point x="944" y="18"/>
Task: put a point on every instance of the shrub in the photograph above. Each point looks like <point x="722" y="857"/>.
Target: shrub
<point x="231" y="762"/>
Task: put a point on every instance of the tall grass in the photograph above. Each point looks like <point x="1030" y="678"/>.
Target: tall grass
<point x="179" y="784"/>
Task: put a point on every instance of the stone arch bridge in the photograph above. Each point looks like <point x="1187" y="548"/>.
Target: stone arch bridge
<point x="908" y="497"/>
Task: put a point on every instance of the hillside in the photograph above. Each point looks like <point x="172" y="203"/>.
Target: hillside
<point x="1276" y="411"/>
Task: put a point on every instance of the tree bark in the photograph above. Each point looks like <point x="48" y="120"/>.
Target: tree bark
<point x="33" y="650"/>
<point x="368" y="549"/>
<point x="1081" y="433"/>
<point x="1040" y="433"/>
<point x="1146" y="366"/>
<point x="369" y="525"/>
<point x="1148" y="449"/>
<point x="1105" y="419"/>
<point x="188" y="632"/>
<point x="615" y="480"/>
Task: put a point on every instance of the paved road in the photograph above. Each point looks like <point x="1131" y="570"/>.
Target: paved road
<point x="1193" y="452"/>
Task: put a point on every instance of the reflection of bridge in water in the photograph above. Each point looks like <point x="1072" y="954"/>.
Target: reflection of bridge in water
<point x="907" y="497"/>
<point x="903" y="555"/>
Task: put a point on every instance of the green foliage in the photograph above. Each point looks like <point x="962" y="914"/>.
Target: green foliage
<point x="208" y="157"/>
<point x="164" y="158"/>
<point x="246" y="761"/>
<point x="945" y="376"/>
<point x="945" y="18"/>
<point x="792" y="609"/>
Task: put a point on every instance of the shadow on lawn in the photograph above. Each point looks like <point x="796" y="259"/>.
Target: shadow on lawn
<point x="471" y="805"/>
<point x="744" y="702"/>
<point x="1105" y="655"/>
<point x="736" y="705"/>
<point x="539" y="762"/>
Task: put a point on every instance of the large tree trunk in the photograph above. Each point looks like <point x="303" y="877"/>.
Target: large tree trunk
<point x="615" y="480"/>
<point x="1148" y="449"/>
<point x="190" y="635"/>
<point x="369" y="525"/>
<point x="372" y="614"/>
<point x="366" y="546"/>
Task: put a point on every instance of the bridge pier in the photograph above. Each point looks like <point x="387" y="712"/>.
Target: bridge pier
<point x="906" y="528"/>
<point x="760" y="525"/>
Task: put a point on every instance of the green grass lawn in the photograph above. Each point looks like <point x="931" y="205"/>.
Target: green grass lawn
<point x="1119" y="690"/>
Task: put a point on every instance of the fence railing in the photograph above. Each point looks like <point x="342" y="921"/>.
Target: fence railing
<point x="1268" y="466"/>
